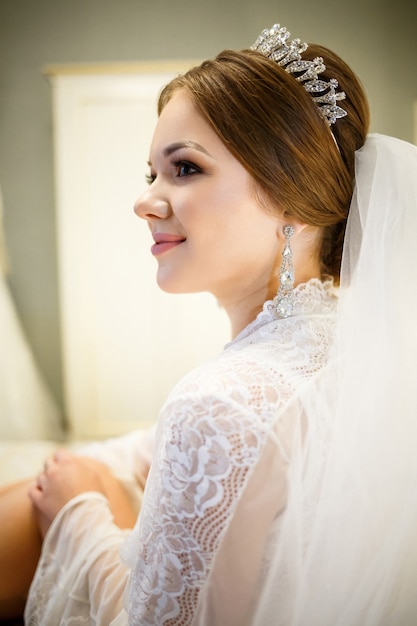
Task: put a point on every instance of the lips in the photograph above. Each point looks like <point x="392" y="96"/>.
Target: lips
<point x="165" y="242"/>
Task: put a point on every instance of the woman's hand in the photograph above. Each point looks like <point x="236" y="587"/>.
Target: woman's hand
<point x="64" y="476"/>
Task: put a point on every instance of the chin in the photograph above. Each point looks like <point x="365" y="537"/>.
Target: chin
<point x="177" y="286"/>
<point x="169" y="285"/>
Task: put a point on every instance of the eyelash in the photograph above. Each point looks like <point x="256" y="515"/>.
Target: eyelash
<point x="178" y="165"/>
<point x="186" y="164"/>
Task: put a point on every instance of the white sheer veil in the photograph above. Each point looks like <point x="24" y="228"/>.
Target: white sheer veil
<point x="346" y="553"/>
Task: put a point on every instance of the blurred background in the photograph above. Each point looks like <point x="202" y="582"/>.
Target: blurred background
<point x="378" y="38"/>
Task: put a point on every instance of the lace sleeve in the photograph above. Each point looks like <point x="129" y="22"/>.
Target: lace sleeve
<point x="218" y="481"/>
<point x="128" y="456"/>
<point x="80" y="578"/>
<point x="208" y="449"/>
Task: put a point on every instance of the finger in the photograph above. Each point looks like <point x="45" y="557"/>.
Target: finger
<point x="47" y="464"/>
<point x="62" y="455"/>
<point x="40" y="481"/>
<point x="34" y="492"/>
<point x="37" y="498"/>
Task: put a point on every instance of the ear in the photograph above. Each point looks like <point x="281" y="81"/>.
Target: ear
<point x="286" y="220"/>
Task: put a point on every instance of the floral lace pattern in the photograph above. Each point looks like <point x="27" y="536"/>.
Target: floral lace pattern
<point x="211" y="436"/>
<point x="211" y="433"/>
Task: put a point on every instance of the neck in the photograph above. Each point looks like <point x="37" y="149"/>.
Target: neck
<point x="240" y="318"/>
<point x="243" y="312"/>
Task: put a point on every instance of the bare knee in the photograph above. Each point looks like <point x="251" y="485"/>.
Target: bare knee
<point x="20" y="546"/>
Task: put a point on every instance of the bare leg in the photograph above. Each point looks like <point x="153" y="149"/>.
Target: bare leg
<point x="20" y="545"/>
<point x="21" y="539"/>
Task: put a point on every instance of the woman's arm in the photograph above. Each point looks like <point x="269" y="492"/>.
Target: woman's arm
<point x="128" y="456"/>
<point x="123" y="463"/>
<point x="66" y="476"/>
<point x="217" y="484"/>
<point x="80" y="574"/>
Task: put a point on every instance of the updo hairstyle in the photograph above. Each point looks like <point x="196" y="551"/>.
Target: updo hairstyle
<point x="271" y="125"/>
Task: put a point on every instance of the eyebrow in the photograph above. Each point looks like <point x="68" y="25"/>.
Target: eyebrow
<point x="173" y="147"/>
<point x="184" y="144"/>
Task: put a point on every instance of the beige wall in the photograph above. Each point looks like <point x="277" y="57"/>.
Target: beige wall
<point x="378" y="38"/>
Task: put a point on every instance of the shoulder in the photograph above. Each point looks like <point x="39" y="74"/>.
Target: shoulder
<point x="260" y="372"/>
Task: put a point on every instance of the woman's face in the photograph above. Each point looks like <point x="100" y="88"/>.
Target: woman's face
<point x="209" y="230"/>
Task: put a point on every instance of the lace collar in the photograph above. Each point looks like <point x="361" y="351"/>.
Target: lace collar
<point x="314" y="297"/>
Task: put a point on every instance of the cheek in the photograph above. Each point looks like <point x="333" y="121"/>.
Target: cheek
<point x="202" y="213"/>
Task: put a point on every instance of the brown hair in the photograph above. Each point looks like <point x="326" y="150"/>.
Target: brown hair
<point x="271" y="125"/>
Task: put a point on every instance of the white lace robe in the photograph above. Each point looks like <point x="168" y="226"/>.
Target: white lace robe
<point x="216" y="493"/>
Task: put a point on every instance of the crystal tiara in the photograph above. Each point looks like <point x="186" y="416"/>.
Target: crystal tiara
<point x="272" y="43"/>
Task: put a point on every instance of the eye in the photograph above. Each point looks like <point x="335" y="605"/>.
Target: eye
<point x="185" y="168"/>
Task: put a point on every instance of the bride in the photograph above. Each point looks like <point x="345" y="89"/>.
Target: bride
<point x="282" y="488"/>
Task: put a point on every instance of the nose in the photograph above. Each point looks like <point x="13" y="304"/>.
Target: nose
<point x="151" y="205"/>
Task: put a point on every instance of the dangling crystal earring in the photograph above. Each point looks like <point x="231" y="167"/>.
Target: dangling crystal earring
<point x="285" y="297"/>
